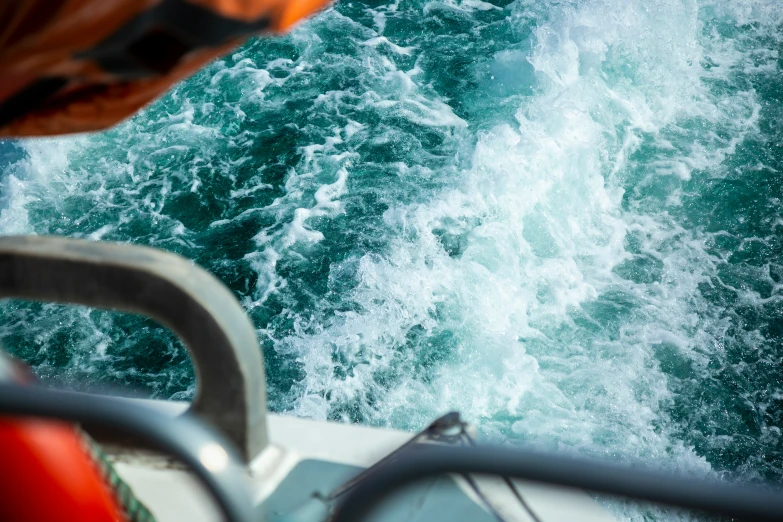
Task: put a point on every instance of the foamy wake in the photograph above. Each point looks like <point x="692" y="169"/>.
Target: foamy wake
<point x="508" y="297"/>
<point x="534" y="288"/>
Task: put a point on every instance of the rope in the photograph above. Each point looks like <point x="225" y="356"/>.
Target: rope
<point x="135" y="510"/>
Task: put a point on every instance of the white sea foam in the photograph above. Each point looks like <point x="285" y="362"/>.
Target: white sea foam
<point x="541" y="224"/>
<point x="501" y="292"/>
<point x="13" y="214"/>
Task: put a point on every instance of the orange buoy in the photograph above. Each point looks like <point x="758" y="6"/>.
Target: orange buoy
<point x="48" y="475"/>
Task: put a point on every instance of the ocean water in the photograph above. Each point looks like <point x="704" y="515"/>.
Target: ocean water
<point x="561" y="218"/>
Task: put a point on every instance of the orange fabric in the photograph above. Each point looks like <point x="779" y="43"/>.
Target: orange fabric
<point x="43" y="39"/>
<point x="295" y="10"/>
<point x="285" y="14"/>
<point x="47" y="475"/>
<point x="246" y="10"/>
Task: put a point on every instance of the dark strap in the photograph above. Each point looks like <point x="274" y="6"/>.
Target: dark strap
<point x="29" y="98"/>
<point x="154" y="41"/>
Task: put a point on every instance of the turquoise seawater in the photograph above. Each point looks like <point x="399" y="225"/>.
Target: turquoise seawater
<point x="562" y="218"/>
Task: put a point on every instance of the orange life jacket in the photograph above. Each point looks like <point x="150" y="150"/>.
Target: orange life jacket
<point x="82" y="65"/>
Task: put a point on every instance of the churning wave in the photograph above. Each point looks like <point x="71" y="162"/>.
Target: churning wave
<point x="560" y="218"/>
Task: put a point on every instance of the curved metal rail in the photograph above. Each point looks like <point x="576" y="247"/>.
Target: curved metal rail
<point x="721" y="498"/>
<point x="231" y="392"/>
<point x="212" y="459"/>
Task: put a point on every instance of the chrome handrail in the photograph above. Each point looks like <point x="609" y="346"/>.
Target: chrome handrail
<point x="743" y="501"/>
<point x="211" y="458"/>
<point x="231" y="392"/>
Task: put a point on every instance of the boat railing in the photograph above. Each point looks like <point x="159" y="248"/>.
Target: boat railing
<point x="231" y="394"/>
<point x="203" y="450"/>
<point x="425" y="461"/>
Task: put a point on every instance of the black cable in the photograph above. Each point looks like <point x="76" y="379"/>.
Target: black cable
<point x="469" y="441"/>
<point x="190" y="441"/>
<point x="710" y="496"/>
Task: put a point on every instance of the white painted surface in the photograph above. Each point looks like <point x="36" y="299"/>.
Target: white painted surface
<point x="345" y="443"/>
<point x="561" y="504"/>
<point x="170" y="494"/>
<point x="173" y="495"/>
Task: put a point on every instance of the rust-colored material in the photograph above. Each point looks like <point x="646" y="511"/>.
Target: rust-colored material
<point x="81" y="65"/>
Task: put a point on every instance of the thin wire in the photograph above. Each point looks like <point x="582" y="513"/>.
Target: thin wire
<point x="709" y="496"/>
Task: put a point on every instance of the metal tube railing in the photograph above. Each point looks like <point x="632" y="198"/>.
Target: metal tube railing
<point x="744" y="502"/>
<point x="231" y="392"/>
<point x="211" y="458"/>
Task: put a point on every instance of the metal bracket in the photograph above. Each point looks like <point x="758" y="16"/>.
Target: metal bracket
<point x="231" y="392"/>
